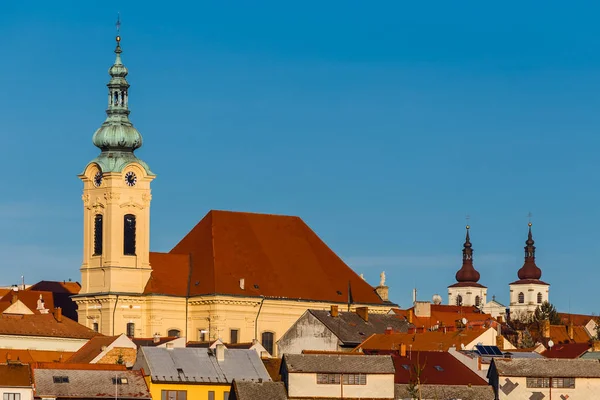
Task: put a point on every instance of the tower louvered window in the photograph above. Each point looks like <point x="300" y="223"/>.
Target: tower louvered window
<point x="521" y="298"/>
<point x="539" y="298"/>
<point x="129" y="235"/>
<point x="98" y="226"/>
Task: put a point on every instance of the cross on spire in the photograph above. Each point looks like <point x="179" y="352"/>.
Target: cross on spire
<point x="118" y="24"/>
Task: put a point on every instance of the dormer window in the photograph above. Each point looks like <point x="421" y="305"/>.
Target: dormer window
<point x="120" y="381"/>
<point x="60" y="379"/>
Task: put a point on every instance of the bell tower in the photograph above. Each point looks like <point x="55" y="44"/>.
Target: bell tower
<point x="116" y="200"/>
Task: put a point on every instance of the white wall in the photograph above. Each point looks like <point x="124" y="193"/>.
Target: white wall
<point x="308" y="333"/>
<point x="468" y="295"/>
<point x="26" y="393"/>
<point x="584" y="389"/>
<point x="40" y="343"/>
<point x="305" y="385"/>
<point x="530" y="291"/>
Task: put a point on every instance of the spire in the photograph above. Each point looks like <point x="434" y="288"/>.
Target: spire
<point x="467" y="272"/>
<point x="529" y="270"/>
<point x="117" y="138"/>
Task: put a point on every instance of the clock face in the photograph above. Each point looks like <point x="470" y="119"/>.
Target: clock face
<point x="98" y="179"/>
<point x="130" y="178"/>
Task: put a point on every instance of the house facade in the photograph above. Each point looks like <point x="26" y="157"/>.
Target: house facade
<point x="338" y="376"/>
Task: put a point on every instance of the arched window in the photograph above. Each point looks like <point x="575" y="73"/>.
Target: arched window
<point x="539" y="298"/>
<point x="459" y="300"/>
<point x="174" y="333"/>
<point x="521" y="298"/>
<point x="98" y="234"/>
<point x="477" y="301"/>
<point x="129" y="235"/>
<point x="267" y="341"/>
<point x="131" y="329"/>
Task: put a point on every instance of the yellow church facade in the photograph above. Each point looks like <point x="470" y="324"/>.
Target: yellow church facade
<point x="235" y="276"/>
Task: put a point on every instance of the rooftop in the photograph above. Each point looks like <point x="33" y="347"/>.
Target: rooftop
<point x="89" y="381"/>
<point x="425" y="341"/>
<point x="438" y="368"/>
<point x="329" y="363"/>
<point x="277" y="256"/>
<point x="32" y="356"/>
<point x="568" y="350"/>
<point x="259" y="390"/>
<point x="197" y="365"/>
<point x="429" y="391"/>
<point x="352" y="330"/>
<point x="92" y="349"/>
<point x="444" y="315"/>
<point x="15" y="375"/>
<point x="43" y="325"/>
<point x="548" y="367"/>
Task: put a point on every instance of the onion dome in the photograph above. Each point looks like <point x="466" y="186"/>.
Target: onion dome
<point x="467" y="272"/>
<point x="529" y="270"/>
<point x="117" y="138"/>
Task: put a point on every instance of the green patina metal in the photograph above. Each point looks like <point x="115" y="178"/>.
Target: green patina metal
<point x="117" y="138"/>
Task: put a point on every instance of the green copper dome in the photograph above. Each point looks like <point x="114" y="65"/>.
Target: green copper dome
<point x="117" y="138"/>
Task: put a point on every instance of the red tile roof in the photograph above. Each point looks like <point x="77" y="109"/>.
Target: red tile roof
<point x="74" y="366"/>
<point x="569" y="350"/>
<point x="15" y="375"/>
<point x="438" y="368"/>
<point x="92" y="349"/>
<point x="30" y="298"/>
<point x="446" y="315"/>
<point x="577" y="319"/>
<point x="426" y="341"/>
<point x="57" y="287"/>
<point x="560" y="334"/>
<point x="277" y="256"/>
<point x="43" y="325"/>
<point x="31" y="356"/>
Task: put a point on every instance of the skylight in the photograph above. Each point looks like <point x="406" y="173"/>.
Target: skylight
<point x="439" y="368"/>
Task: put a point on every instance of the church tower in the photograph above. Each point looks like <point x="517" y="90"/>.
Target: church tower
<point x="466" y="291"/>
<point x="529" y="291"/>
<point x="116" y="204"/>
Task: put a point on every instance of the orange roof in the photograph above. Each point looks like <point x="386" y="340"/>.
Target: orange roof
<point x="560" y="334"/>
<point x="277" y="256"/>
<point x="88" y="367"/>
<point x="568" y="350"/>
<point x="43" y="325"/>
<point x="92" y="349"/>
<point x="15" y="375"/>
<point x="57" y="287"/>
<point x="576" y="319"/>
<point x="30" y="298"/>
<point x="445" y="315"/>
<point x="426" y="341"/>
<point x="30" y="356"/>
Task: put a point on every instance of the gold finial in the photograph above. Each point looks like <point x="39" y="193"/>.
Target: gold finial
<point x="118" y="39"/>
<point x="529" y="224"/>
<point x="468" y="227"/>
<point x="468" y="217"/>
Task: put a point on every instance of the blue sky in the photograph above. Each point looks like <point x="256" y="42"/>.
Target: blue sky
<point x="381" y="124"/>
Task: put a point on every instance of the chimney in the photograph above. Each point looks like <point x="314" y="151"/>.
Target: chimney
<point x="499" y="319"/>
<point x="220" y="352"/>
<point x="156" y="338"/>
<point x="169" y="345"/>
<point x="58" y="314"/>
<point x="382" y="292"/>
<point x="422" y="309"/>
<point x="389" y="330"/>
<point x="334" y="311"/>
<point x="414" y="295"/>
<point x="595" y="345"/>
<point x="15" y="295"/>
<point x="500" y="342"/>
<point x="410" y="315"/>
<point x="242" y="283"/>
<point x="402" y="350"/>
<point x="363" y="312"/>
<point x="546" y="329"/>
<point x="570" y="330"/>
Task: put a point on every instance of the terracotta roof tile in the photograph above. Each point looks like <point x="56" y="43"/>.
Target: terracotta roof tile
<point x="30" y="298"/>
<point x="15" y="375"/>
<point x="44" y="325"/>
<point x="92" y="349"/>
<point x="446" y="315"/>
<point x="438" y="368"/>
<point x="577" y="319"/>
<point x="569" y="350"/>
<point x="277" y="256"/>
<point x="32" y="356"/>
<point x="426" y="341"/>
<point x="149" y="342"/>
<point x="56" y="287"/>
<point x="560" y="334"/>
